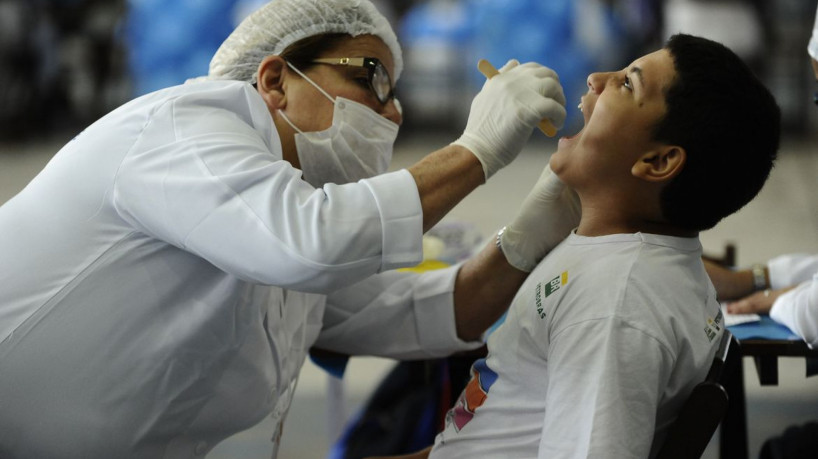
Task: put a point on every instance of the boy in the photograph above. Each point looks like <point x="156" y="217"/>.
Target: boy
<point x="613" y="329"/>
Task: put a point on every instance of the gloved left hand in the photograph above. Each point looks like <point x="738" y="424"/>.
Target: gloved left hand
<point x="547" y="216"/>
<point x="506" y="110"/>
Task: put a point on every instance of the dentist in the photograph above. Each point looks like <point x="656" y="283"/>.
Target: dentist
<point x="166" y="273"/>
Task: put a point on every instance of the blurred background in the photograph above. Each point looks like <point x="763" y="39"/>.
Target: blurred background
<point x="65" y="63"/>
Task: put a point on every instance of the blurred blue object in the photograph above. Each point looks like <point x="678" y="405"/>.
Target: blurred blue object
<point x="437" y="38"/>
<point x="534" y="30"/>
<point x="170" y="42"/>
<point x="765" y="328"/>
<point x="439" y="20"/>
<point x="443" y="39"/>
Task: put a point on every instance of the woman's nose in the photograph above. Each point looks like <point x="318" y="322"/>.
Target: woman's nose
<point x="392" y="111"/>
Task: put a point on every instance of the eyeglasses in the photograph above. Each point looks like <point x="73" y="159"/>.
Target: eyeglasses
<point x="378" y="78"/>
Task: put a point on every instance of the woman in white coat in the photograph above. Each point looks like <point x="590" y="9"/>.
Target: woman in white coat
<point x="164" y="276"/>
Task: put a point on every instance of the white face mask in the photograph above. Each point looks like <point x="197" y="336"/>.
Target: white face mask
<point x="357" y="145"/>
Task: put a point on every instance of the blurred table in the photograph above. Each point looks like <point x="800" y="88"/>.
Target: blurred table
<point x="765" y="341"/>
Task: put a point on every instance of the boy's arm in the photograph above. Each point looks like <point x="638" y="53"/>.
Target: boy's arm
<point x="604" y="387"/>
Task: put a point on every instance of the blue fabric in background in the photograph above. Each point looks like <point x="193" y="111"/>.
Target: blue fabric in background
<point x="766" y="328"/>
<point x="170" y="42"/>
<point x="549" y="32"/>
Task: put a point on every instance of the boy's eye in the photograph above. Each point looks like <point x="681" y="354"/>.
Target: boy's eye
<point x="627" y="83"/>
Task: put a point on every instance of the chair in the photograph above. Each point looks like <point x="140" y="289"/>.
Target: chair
<point x="704" y="409"/>
<point x="727" y="260"/>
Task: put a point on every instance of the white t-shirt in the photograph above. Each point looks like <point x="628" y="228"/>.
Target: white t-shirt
<point x="155" y="276"/>
<point x="601" y="346"/>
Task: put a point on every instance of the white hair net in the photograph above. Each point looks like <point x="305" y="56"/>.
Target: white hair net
<point x="280" y="23"/>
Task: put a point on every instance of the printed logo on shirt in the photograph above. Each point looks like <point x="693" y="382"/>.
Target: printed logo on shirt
<point x="473" y="396"/>
<point x="714" y="326"/>
<point x="552" y="286"/>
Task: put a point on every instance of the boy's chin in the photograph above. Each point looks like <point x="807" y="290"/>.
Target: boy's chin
<point x="557" y="161"/>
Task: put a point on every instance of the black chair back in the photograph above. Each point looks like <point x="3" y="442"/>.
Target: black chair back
<point x="704" y="409"/>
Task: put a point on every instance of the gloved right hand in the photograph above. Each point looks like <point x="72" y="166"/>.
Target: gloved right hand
<point x="506" y="110"/>
<point x="547" y="216"/>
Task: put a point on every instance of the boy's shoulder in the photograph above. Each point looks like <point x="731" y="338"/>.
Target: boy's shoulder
<point x="614" y="258"/>
<point x="626" y="276"/>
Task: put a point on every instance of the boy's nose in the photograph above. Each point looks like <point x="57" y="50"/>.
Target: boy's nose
<point x="596" y="82"/>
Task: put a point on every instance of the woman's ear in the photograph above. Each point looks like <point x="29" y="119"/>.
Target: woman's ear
<point x="270" y="81"/>
<point x="661" y="164"/>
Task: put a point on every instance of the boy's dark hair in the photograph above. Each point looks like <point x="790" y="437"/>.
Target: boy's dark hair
<point x="729" y="125"/>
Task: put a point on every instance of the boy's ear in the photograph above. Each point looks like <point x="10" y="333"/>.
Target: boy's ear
<point x="270" y="81"/>
<point x="660" y="164"/>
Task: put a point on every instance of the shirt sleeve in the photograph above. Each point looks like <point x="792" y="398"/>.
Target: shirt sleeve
<point x="207" y="182"/>
<point x="792" y="269"/>
<point x="403" y="315"/>
<point x="798" y="310"/>
<point x="604" y="387"/>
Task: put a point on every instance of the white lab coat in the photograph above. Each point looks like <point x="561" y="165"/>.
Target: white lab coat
<point x="812" y="46"/>
<point x="798" y="308"/>
<point x="166" y="273"/>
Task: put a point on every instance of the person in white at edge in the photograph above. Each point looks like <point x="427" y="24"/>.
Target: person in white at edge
<point x="786" y="287"/>
<point x="165" y="274"/>
<point x="613" y="329"/>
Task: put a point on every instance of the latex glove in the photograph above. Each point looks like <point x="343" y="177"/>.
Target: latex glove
<point x="547" y="216"/>
<point x="506" y="110"/>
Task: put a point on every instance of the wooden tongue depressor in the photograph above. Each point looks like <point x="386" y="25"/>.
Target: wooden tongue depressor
<point x="489" y="71"/>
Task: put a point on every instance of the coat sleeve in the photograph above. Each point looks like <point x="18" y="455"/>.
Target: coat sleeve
<point x="798" y="310"/>
<point x="403" y="315"/>
<point x="207" y="181"/>
<point x="812" y="46"/>
<point x="792" y="269"/>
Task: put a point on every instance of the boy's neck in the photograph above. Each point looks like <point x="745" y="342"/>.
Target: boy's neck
<point x="604" y="219"/>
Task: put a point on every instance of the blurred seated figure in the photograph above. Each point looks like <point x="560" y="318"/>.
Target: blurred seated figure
<point x="786" y="288"/>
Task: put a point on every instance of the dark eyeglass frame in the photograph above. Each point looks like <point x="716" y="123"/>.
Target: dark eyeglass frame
<point x="374" y="68"/>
